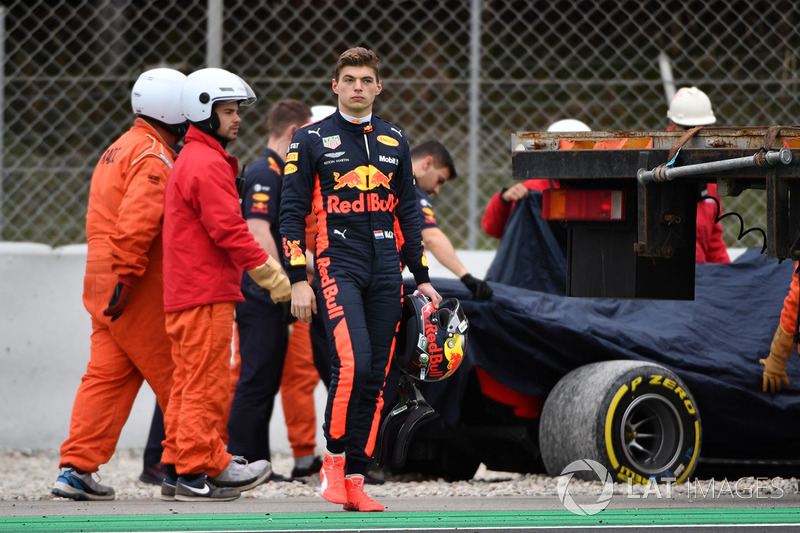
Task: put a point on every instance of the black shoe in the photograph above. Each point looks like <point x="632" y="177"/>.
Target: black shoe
<point x="313" y="469"/>
<point x="154" y="474"/>
<point x="201" y="489"/>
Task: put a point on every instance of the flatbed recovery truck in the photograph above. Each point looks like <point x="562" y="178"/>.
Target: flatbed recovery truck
<point x="629" y="199"/>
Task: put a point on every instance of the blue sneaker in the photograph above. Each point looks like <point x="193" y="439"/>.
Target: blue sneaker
<point x="202" y="489"/>
<point x="168" y="488"/>
<point x="80" y="486"/>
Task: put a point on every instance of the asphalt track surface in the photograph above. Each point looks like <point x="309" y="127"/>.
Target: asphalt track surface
<point x="402" y="514"/>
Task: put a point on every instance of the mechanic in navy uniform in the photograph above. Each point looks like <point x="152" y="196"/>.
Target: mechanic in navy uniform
<point x="353" y="171"/>
<point x="261" y="323"/>
<point x="433" y="167"/>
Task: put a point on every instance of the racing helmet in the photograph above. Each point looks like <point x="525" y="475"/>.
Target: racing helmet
<point x="434" y="341"/>
<point x="318" y="112"/>
<point x="568" y="124"/>
<point x="157" y="95"/>
<point x="209" y="86"/>
<point x="691" y="107"/>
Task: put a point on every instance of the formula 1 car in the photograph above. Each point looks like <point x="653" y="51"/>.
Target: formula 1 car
<point x="651" y="389"/>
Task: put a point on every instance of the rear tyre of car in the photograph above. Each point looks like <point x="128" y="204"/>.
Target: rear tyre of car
<point x="637" y="419"/>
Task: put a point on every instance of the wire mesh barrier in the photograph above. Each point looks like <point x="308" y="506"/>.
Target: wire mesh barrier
<point x="467" y="73"/>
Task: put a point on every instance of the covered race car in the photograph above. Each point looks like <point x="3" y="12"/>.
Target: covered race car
<point x="649" y="388"/>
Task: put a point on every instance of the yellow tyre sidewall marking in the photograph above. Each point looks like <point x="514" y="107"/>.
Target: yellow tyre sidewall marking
<point x="612" y="457"/>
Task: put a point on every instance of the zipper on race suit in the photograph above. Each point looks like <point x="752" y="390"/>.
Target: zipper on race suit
<point x="367" y="129"/>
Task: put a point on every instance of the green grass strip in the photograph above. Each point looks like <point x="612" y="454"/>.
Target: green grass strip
<point x="400" y="521"/>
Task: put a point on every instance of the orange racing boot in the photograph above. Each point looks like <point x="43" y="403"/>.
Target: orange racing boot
<point x="331" y="476"/>
<point x="357" y="499"/>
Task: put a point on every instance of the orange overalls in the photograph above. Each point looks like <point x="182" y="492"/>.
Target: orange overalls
<point x="207" y="247"/>
<point x="123" y="230"/>
<point x="789" y="312"/>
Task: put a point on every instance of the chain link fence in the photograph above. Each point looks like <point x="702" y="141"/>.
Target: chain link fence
<point x="465" y="72"/>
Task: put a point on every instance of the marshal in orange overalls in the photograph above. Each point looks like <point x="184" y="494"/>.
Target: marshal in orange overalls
<point x="123" y="230"/>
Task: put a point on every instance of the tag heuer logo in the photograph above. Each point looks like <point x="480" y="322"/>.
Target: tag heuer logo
<point x="331" y="142"/>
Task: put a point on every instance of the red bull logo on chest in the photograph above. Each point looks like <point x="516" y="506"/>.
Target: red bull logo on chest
<point x="363" y="178"/>
<point x="371" y="202"/>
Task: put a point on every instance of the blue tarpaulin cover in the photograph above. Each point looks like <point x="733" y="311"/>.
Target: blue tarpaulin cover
<point x="533" y="251"/>
<point x="527" y="340"/>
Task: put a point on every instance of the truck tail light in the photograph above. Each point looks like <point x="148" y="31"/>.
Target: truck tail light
<point x="580" y="204"/>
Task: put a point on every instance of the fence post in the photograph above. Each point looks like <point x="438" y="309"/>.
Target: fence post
<point x="214" y="33"/>
<point x="474" y="121"/>
<point x="665" y="67"/>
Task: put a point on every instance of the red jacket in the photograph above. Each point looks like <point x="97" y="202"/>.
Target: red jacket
<point x="206" y="241"/>
<point x="709" y="246"/>
<point x="497" y="211"/>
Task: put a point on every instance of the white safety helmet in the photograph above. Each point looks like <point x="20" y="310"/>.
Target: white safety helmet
<point x="691" y="107"/>
<point x="157" y="94"/>
<point x="318" y="112"/>
<point x="210" y="86"/>
<point x="568" y="124"/>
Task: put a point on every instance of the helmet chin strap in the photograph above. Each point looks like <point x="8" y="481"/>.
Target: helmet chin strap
<point x="210" y="127"/>
<point x="178" y="130"/>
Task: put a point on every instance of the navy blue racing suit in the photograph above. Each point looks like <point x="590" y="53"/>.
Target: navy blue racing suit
<point x="263" y="332"/>
<point x="358" y="181"/>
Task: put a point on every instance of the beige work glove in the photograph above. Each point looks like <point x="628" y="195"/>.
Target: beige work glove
<point x="775" y="365"/>
<point x="270" y="276"/>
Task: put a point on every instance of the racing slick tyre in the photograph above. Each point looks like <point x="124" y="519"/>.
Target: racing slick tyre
<point x="636" y="419"/>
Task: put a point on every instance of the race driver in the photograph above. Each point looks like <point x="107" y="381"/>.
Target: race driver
<point x="353" y="170"/>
